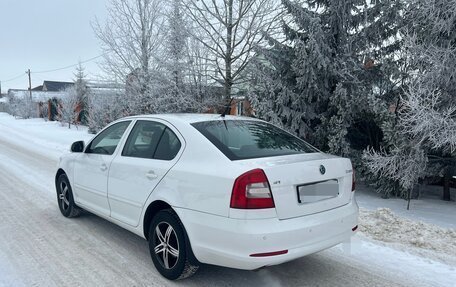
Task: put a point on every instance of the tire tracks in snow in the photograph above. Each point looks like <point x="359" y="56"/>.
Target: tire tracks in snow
<point x="46" y="249"/>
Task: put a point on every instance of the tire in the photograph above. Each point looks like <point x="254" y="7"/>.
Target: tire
<point x="168" y="247"/>
<point x="65" y="198"/>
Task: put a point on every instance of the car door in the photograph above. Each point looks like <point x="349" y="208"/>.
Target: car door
<point x="150" y="151"/>
<point x="91" y="168"/>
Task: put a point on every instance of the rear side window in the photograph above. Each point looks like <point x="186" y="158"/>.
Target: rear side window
<point x="143" y="139"/>
<point x="151" y="140"/>
<point x="168" y="147"/>
<point x="251" y="139"/>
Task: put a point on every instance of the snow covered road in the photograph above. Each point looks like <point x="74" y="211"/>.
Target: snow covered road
<point x="39" y="247"/>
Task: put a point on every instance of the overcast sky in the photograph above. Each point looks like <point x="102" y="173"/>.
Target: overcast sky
<point x="46" y="35"/>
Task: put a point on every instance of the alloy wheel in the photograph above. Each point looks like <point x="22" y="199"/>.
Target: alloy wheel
<point x="64" y="196"/>
<point x="166" y="245"/>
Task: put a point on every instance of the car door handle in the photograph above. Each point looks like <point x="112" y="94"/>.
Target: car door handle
<point x="103" y="167"/>
<point x="151" y="175"/>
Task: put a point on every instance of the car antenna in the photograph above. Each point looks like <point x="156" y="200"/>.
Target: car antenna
<point x="227" y="109"/>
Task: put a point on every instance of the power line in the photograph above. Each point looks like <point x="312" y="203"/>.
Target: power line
<point x="38" y="77"/>
<point x="70" y="66"/>
<point x="53" y="70"/>
<point x="14" y="78"/>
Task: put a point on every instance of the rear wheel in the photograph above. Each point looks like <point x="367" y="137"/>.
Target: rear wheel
<point x="65" y="198"/>
<point x="168" y="246"/>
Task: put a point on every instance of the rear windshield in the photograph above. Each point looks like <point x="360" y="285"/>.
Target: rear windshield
<point x="251" y="139"/>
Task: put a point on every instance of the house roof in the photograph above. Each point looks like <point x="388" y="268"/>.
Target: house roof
<point x="53" y="86"/>
<point x="38" y="88"/>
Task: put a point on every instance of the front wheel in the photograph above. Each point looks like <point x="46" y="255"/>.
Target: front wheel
<point x="65" y="198"/>
<point x="168" y="248"/>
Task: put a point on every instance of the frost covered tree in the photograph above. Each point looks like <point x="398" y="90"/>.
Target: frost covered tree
<point x="176" y="45"/>
<point x="68" y="106"/>
<point x="132" y="39"/>
<point x="174" y="93"/>
<point x="230" y="29"/>
<point x="201" y="74"/>
<point x="80" y="85"/>
<point x="21" y="106"/>
<point x="334" y="69"/>
<point x="423" y="142"/>
<point x="103" y="108"/>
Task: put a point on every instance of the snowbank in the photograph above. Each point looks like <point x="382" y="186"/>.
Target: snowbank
<point x="50" y="139"/>
<point x="383" y="225"/>
<point x="429" y="208"/>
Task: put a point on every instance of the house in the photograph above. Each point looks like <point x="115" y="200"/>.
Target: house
<point x="240" y="106"/>
<point x="54" y="86"/>
<point x="43" y="98"/>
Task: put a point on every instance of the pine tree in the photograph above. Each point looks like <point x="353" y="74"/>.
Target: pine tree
<point x="81" y="90"/>
<point x="333" y="70"/>
<point x="176" y="44"/>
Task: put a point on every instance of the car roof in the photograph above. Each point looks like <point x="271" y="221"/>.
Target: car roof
<point x="189" y="118"/>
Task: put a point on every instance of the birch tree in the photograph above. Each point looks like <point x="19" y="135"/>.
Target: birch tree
<point x="230" y="29"/>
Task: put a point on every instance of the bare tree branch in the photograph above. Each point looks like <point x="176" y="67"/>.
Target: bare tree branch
<point x="231" y="30"/>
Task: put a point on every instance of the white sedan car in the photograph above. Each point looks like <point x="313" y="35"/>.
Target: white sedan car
<point x="229" y="191"/>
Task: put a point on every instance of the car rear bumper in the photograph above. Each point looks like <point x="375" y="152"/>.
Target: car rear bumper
<point x="230" y="242"/>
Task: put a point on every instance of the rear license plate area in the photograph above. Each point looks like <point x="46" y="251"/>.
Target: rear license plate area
<point x="317" y="191"/>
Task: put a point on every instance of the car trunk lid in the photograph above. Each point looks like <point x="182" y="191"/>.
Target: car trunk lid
<point x="307" y="183"/>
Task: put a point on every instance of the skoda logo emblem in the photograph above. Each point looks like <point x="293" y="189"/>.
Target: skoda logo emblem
<point x="322" y="169"/>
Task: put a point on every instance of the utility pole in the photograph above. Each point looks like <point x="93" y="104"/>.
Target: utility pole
<point x="30" y="84"/>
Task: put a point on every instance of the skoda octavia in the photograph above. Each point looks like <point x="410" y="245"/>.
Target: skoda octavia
<point x="229" y="191"/>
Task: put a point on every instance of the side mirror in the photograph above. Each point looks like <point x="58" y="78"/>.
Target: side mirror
<point x="77" y="146"/>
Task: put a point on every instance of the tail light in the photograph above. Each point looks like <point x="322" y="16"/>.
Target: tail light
<point x="251" y="191"/>
<point x="353" y="180"/>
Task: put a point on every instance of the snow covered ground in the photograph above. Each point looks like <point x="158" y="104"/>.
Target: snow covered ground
<point x="428" y="208"/>
<point x="43" y="137"/>
<point x="39" y="247"/>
